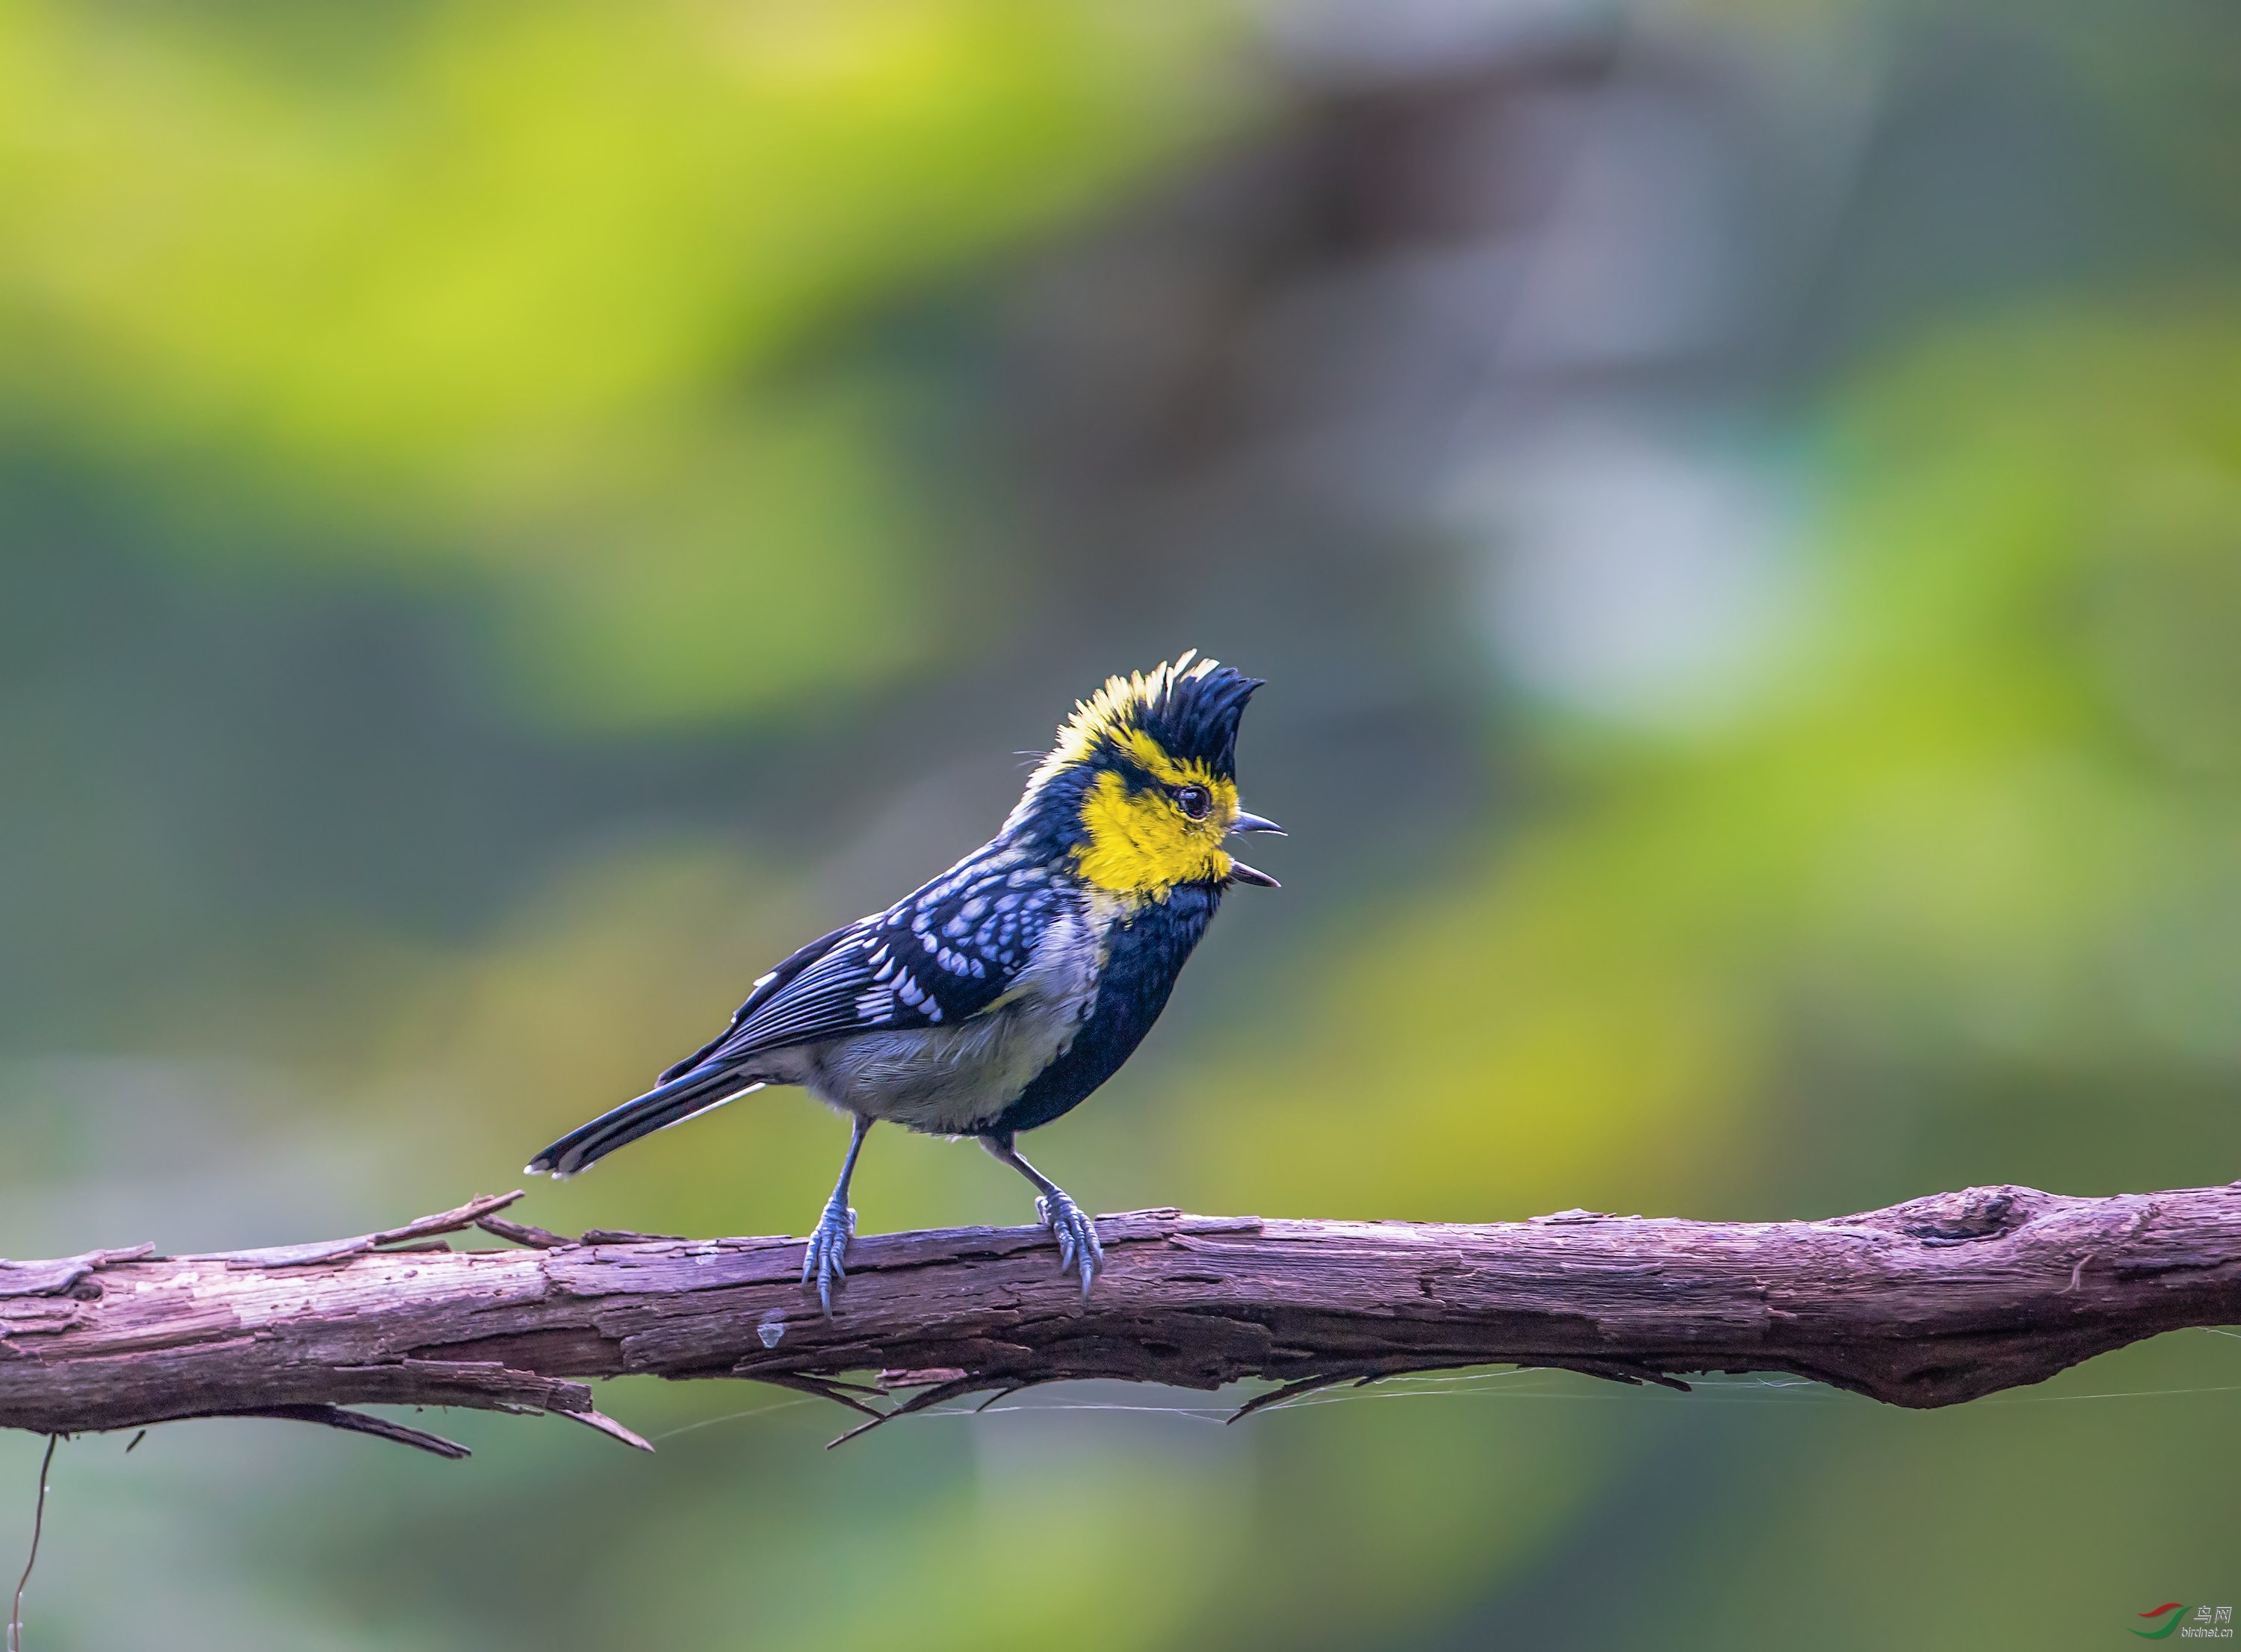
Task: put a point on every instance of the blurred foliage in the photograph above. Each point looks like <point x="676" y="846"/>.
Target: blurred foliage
<point x="547" y="296"/>
<point x="513" y="516"/>
<point x="1983" y="831"/>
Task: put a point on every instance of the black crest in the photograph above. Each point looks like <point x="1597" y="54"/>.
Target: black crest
<point x="1191" y="707"/>
<point x="1196" y="719"/>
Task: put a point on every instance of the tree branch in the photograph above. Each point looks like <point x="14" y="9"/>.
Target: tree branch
<point x="1929" y="1303"/>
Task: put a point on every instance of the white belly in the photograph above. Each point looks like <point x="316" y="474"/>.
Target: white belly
<point x="951" y="1081"/>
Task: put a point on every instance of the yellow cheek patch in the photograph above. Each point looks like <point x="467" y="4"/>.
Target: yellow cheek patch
<point x="1140" y="843"/>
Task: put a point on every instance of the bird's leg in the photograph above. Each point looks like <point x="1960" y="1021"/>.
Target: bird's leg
<point x="829" y="1244"/>
<point x="1078" y="1249"/>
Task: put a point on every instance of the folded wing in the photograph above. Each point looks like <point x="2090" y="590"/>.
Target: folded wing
<point x="944" y="955"/>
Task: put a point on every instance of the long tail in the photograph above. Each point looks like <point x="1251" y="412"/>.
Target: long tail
<point x="666" y="1104"/>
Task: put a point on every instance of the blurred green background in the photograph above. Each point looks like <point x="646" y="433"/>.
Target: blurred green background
<point x="513" y="515"/>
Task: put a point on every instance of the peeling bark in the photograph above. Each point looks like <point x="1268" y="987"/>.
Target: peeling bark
<point x="1929" y="1303"/>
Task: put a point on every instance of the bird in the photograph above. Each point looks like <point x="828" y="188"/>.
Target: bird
<point x="998" y="996"/>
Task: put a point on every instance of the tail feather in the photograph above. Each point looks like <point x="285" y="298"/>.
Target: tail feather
<point x="682" y="1098"/>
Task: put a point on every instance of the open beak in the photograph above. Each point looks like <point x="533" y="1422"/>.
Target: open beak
<point x="1239" y="872"/>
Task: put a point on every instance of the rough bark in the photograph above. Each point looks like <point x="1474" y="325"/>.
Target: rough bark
<point x="1929" y="1303"/>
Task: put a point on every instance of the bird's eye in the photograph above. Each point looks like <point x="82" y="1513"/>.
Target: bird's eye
<point x="1194" y="800"/>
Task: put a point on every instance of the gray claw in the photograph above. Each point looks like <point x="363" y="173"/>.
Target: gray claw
<point x="821" y="1258"/>
<point x="1079" y="1250"/>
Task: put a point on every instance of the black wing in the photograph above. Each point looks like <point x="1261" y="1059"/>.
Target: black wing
<point x="946" y="953"/>
<point x="765" y="988"/>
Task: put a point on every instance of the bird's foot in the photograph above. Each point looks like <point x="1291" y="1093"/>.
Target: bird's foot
<point x="1078" y="1249"/>
<point x="829" y="1244"/>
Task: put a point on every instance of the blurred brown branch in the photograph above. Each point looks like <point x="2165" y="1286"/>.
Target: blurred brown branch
<point x="1929" y="1303"/>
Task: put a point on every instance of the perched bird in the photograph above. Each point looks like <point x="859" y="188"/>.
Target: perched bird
<point x="998" y="996"/>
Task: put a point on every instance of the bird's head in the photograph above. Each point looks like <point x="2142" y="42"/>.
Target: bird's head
<point x="1141" y="789"/>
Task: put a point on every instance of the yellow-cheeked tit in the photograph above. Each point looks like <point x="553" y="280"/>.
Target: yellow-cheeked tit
<point x="998" y="996"/>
